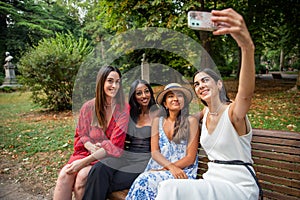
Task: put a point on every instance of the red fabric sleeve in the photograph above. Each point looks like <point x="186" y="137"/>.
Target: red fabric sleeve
<point x="84" y="122"/>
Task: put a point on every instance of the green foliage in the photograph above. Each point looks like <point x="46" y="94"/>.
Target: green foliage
<point x="272" y="25"/>
<point x="225" y="71"/>
<point x="24" y="23"/>
<point x="296" y="65"/>
<point x="260" y="69"/>
<point x="2" y="76"/>
<point x="49" y="69"/>
<point x="8" y="89"/>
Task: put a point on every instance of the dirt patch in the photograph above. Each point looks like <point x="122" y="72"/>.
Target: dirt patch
<point x="11" y="190"/>
<point x="23" y="177"/>
<point x="18" y="179"/>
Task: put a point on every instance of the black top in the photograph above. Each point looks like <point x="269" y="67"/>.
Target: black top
<point x="138" y="139"/>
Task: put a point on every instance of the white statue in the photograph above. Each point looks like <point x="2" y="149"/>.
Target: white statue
<point x="10" y="77"/>
<point x="8" y="57"/>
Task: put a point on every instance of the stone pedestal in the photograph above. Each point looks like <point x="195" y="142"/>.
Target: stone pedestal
<point x="145" y="75"/>
<point x="10" y="77"/>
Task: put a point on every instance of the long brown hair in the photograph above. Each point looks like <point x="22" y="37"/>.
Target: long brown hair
<point x="100" y="99"/>
<point x="182" y="124"/>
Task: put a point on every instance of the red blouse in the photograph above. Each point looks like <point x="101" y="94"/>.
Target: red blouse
<point x="88" y="129"/>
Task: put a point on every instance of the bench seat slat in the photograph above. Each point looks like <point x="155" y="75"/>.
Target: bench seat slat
<point x="118" y="195"/>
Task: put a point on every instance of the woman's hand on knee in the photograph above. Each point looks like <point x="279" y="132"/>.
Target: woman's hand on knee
<point x="75" y="166"/>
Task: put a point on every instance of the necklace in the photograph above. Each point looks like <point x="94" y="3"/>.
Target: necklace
<point x="215" y="113"/>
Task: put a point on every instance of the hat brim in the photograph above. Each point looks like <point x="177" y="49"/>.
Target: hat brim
<point x="187" y="93"/>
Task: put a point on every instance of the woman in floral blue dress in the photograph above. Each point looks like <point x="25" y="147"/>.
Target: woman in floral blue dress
<point x="174" y="144"/>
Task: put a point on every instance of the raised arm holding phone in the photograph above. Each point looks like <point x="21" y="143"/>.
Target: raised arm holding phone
<point x="226" y="131"/>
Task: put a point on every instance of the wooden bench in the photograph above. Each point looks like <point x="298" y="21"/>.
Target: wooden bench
<point x="276" y="76"/>
<point x="276" y="156"/>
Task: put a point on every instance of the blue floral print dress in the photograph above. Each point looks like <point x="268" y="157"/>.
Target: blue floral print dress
<point x="145" y="185"/>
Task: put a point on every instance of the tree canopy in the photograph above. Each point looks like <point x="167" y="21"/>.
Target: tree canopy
<point x="273" y="24"/>
<point x="24" y="23"/>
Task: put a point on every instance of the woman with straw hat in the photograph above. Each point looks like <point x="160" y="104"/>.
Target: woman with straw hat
<point x="174" y="143"/>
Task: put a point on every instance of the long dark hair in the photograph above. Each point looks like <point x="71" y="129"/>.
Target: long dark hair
<point x="216" y="77"/>
<point x="100" y="100"/>
<point x="135" y="109"/>
<point x="182" y="125"/>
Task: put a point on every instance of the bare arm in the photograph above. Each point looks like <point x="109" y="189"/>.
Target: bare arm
<point x="77" y="165"/>
<point x="236" y="27"/>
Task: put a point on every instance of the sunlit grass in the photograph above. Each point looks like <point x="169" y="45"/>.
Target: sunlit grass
<point x="26" y="128"/>
<point x="40" y="142"/>
<point x="277" y="111"/>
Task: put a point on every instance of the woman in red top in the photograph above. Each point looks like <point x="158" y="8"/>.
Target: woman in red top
<point x="100" y="132"/>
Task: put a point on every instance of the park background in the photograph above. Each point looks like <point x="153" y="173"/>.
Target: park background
<point x="49" y="41"/>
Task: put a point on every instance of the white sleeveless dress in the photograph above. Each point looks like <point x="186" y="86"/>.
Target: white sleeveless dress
<point x="221" y="181"/>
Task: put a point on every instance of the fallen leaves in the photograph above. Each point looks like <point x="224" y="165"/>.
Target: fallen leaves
<point x="291" y="127"/>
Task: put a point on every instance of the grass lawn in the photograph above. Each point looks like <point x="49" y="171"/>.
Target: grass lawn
<point x="35" y="144"/>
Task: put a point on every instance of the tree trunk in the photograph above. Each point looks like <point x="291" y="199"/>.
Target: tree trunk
<point x="298" y="81"/>
<point x="281" y="62"/>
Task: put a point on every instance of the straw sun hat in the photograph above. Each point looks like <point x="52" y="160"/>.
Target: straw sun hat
<point x="174" y="87"/>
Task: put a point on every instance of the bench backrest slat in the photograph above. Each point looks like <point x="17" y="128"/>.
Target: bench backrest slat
<point x="276" y="195"/>
<point x="275" y="156"/>
<point x="278" y="141"/>
<point x="276" y="133"/>
<point x="277" y="164"/>
<point x="279" y="189"/>
<point x="275" y="148"/>
<point x="276" y="172"/>
<point x="279" y="180"/>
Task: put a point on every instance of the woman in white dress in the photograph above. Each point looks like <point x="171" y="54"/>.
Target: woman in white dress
<point x="226" y="132"/>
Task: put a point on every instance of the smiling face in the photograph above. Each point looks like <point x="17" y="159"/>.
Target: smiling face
<point x="206" y="87"/>
<point x="174" y="100"/>
<point x="142" y="95"/>
<point x="112" y="84"/>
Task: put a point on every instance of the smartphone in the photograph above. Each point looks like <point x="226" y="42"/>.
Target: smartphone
<point x="199" y="20"/>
